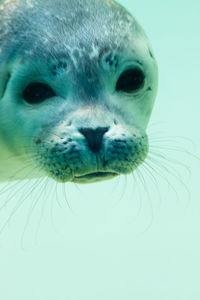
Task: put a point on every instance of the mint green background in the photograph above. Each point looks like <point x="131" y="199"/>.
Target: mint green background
<point x="109" y="247"/>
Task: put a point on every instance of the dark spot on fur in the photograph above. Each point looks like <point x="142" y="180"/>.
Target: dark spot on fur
<point x="38" y="141"/>
<point x="120" y="141"/>
<point x="112" y="60"/>
<point x="62" y="65"/>
<point x="118" y="146"/>
<point x="68" y="124"/>
<point x="139" y="62"/>
<point x="150" y="53"/>
<point x="103" y="51"/>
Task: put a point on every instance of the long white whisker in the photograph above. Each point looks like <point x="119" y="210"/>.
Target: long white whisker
<point x="10" y="197"/>
<point x="31" y="209"/>
<point x="15" y="209"/>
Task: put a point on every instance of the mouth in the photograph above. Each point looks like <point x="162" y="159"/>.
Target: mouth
<point x="94" y="177"/>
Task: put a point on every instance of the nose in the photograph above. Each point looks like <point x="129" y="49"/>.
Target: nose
<point x="94" y="137"/>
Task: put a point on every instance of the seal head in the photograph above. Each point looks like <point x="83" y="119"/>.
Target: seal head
<point x="78" y="80"/>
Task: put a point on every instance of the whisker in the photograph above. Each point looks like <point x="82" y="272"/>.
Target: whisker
<point x="52" y="209"/>
<point x="178" y="178"/>
<point x="7" y="187"/>
<point x="115" y="185"/>
<point x="151" y="176"/>
<point x="15" y="209"/>
<point x="136" y="186"/>
<point x="123" y="190"/>
<point x="31" y="208"/>
<point x="169" y="160"/>
<point x="136" y="178"/>
<point x="56" y="194"/>
<point x="171" y="171"/>
<point x="148" y="198"/>
<point x="42" y="209"/>
<point x="17" y="157"/>
<point x="65" y="197"/>
<point x="17" y="171"/>
<point x="10" y="196"/>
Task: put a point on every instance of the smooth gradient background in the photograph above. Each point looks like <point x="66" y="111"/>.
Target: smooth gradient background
<point x="129" y="238"/>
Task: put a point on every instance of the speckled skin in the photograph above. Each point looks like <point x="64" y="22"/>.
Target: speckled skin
<point x="79" y="48"/>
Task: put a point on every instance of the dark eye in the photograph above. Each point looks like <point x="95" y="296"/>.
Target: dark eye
<point x="36" y="92"/>
<point x="130" y="81"/>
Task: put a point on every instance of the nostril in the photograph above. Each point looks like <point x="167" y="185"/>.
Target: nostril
<point x="94" y="137"/>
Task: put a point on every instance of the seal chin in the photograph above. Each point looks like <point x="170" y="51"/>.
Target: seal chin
<point x="94" y="177"/>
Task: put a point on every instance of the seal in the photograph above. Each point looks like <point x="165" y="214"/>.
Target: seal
<point x="78" y="80"/>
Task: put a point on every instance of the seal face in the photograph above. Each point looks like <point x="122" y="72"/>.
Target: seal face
<point x="78" y="82"/>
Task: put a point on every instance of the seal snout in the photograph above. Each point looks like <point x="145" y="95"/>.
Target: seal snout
<point x="94" y="137"/>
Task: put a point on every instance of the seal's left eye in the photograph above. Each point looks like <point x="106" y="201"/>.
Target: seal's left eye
<point x="37" y="92"/>
<point x="130" y="81"/>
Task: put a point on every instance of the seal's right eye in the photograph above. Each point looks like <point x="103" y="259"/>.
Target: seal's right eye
<point x="37" y="92"/>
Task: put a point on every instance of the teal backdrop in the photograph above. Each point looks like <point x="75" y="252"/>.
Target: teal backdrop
<point x="136" y="237"/>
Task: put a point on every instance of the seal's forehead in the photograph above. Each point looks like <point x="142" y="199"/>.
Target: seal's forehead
<point x="53" y="25"/>
<point x="82" y="21"/>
